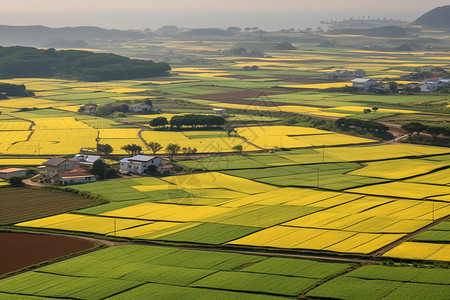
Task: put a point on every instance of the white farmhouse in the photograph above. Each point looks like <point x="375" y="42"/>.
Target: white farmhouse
<point x="430" y="85"/>
<point x="140" y="107"/>
<point x="139" y="164"/>
<point x="364" y="84"/>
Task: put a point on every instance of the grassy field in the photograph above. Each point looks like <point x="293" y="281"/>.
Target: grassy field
<point x="171" y="272"/>
<point x="381" y="282"/>
<point x="125" y="272"/>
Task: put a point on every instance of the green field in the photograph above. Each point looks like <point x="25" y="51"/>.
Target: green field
<point x="125" y="272"/>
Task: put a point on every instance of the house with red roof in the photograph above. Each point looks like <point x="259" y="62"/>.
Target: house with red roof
<point x="76" y="176"/>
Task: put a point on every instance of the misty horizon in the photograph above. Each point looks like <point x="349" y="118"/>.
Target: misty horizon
<point x="265" y="20"/>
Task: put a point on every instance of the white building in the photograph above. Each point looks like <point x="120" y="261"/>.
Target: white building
<point x="87" y="160"/>
<point x="139" y="164"/>
<point x="364" y="84"/>
<point x="76" y="176"/>
<point x="433" y="85"/>
<point x="220" y="111"/>
<point x="57" y="165"/>
<point x="8" y="173"/>
<point x="140" y="107"/>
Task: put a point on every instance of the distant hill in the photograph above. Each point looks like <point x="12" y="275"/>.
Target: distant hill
<point x="41" y="35"/>
<point x="19" y="61"/>
<point x="207" y="31"/>
<point x="386" y="31"/>
<point x="438" y="17"/>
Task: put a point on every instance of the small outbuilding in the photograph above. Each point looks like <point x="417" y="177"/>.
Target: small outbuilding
<point x="165" y="169"/>
<point x="140" y="107"/>
<point x="8" y="173"/>
<point x="364" y="84"/>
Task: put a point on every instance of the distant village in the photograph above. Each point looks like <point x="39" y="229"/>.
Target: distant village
<point x="431" y="83"/>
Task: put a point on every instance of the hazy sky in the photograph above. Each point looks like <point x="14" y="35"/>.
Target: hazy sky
<point x="127" y="14"/>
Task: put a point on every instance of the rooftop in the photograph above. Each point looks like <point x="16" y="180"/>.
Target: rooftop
<point x="86" y="158"/>
<point x="54" y="161"/>
<point x="10" y="170"/>
<point x="142" y="158"/>
<point x="80" y="172"/>
<point x="361" y="80"/>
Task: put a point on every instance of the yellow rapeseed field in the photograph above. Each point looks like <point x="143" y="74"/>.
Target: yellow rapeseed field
<point x="415" y="250"/>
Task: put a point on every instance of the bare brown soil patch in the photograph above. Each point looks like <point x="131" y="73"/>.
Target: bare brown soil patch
<point x="21" y="250"/>
<point x="21" y="204"/>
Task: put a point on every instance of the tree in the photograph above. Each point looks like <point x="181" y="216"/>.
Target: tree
<point x="99" y="169"/>
<point x="155" y="146"/>
<point x="159" y="121"/>
<point x="103" y="170"/>
<point x="229" y="129"/>
<point x="188" y="151"/>
<point x="132" y="149"/>
<point x="233" y="29"/>
<point x="104" y="149"/>
<point x="375" y="109"/>
<point x="393" y="86"/>
<point x="285" y="46"/>
<point x="367" y="110"/>
<point x="171" y="150"/>
<point x="103" y="111"/>
<point x="414" y="127"/>
<point x="435" y="131"/>
<point x="16" y="181"/>
<point x="149" y="102"/>
<point x="238" y="148"/>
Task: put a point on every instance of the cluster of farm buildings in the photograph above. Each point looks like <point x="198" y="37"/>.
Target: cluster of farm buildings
<point x="77" y="169"/>
<point x="366" y="84"/>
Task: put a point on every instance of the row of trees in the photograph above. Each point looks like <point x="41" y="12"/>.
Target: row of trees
<point x="434" y="131"/>
<point x="191" y="120"/>
<point x="19" y="90"/>
<point x="133" y="149"/>
<point x="171" y="149"/>
<point x="370" y="126"/>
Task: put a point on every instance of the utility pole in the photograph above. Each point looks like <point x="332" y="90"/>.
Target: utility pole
<point x="318" y="177"/>
<point x="433" y="210"/>
<point x="323" y="153"/>
<point x="115" y="228"/>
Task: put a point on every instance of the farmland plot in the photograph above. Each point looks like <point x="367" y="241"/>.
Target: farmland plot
<point x="170" y="273"/>
<point x="381" y="282"/>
